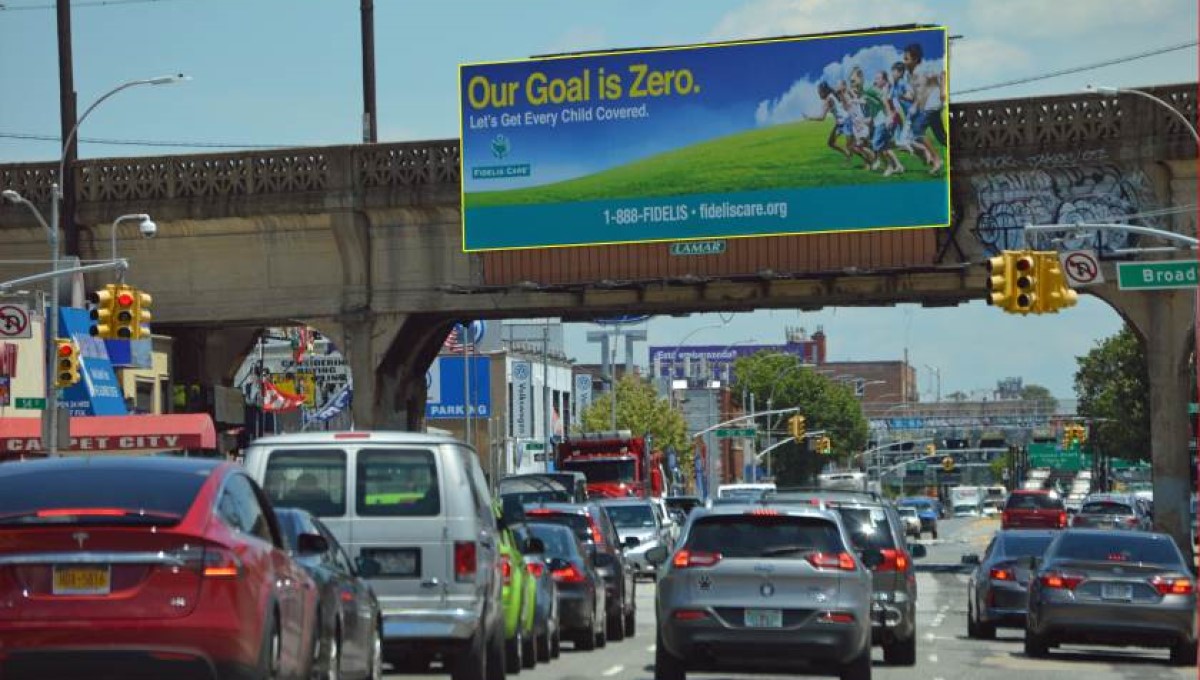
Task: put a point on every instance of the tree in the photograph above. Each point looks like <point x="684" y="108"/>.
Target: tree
<point x="1046" y="403"/>
<point x="1112" y="385"/>
<point x="781" y="381"/>
<point x="641" y="411"/>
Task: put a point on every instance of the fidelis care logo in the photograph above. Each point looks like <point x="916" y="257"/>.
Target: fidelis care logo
<point x="501" y="146"/>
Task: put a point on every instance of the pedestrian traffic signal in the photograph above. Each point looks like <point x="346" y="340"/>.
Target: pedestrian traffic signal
<point x="103" y="303"/>
<point x="1025" y="268"/>
<point x="1000" y="284"/>
<point x="66" y="363"/>
<point x="142" y="314"/>
<point x="797" y="427"/>
<point x="948" y="464"/>
<point x="825" y="446"/>
<point x="1053" y="291"/>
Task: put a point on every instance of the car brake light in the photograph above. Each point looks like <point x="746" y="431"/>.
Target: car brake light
<point x="893" y="560"/>
<point x="763" y="512"/>
<point x="1062" y="519"/>
<point x="83" y="512"/>
<point x="685" y="559"/>
<point x="1060" y="580"/>
<point x="540" y="512"/>
<point x="1000" y="574"/>
<point x="506" y="569"/>
<point x="536" y="569"/>
<point x="220" y="563"/>
<point x="465" y="561"/>
<point x="352" y="435"/>
<point x="689" y="614"/>
<point x="836" y="617"/>
<point x="843" y="561"/>
<point x="568" y="574"/>
<point x="1172" y="586"/>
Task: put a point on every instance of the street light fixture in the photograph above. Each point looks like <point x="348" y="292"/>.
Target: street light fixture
<point x="146" y="226"/>
<point x="50" y="414"/>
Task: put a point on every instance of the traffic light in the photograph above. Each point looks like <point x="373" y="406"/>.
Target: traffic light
<point x="124" y="313"/>
<point x="825" y="446"/>
<point x="66" y="363"/>
<point x="930" y="450"/>
<point x="1053" y="291"/>
<point x="1026" y="283"/>
<point x="1074" y="435"/>
<point x="1000" y="284"/>
<point x="948" y="464"/>
<point x="142" y="314"/>
<point x="103" y="308"/>
<point x="797" y="427"/>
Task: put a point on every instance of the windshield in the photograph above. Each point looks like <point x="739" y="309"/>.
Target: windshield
<point x="1106" y="508"/>
<point x="1127" y="547"/>
<point x="631" y="516"/>
<point x="868" y="527"/>
<point x="1033" y="501"/>
<point x="752" y="536"/>
<point x="601" y="471"/>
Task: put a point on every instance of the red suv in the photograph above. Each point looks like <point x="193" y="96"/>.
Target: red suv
<point x="1033" y="509"/>
<point x="148" y="567"/>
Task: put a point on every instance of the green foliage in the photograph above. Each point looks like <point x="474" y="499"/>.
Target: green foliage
<point x="1045" y="401"/>
<point x="641" y="411"/>
<point x="1113" y="388"/>
<point x="779" y="381"/>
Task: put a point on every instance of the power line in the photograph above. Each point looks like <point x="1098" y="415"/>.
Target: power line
<point x="1079" y="69"/>
<point x="85" y="3"/>
<point x="148" y="142"/>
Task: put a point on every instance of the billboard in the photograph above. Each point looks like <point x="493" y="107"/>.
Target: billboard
<point x="447" y="384"/>
<point x="522" y="399"/>
<point x="800" y="135"/>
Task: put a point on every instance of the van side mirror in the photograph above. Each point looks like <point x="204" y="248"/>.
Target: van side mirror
<point x="311" y="544"/>
<point x="971" y="560"/>
<point x="917" y="551"/>
<point x="367" y="567"/>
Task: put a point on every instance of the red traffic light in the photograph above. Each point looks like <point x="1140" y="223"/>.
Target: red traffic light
<point x="65" y="350"/>
<point x="1024" y="264"/>
<point x="125" y="299"/>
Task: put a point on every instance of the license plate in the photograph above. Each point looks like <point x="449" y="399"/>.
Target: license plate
<point x="401" y="563"/>
<point x="91" y="580"/>
<point x="764" y="618"/>
<point x="1116" y="591"/>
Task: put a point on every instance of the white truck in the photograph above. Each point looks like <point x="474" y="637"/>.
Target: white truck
<point x="967" y="501"/>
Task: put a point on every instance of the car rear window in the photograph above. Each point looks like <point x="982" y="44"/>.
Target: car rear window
<point x="1106" y="508"/>
<point x="164" y="493"/>
<point x="397" y="483"/>
<point x="750" y="536"/>
<point x="312" y="479"/>
<point x="632" y="516"/>
<point x="1026" y="545"/>
<point x="1126" y="547"/>
<point x="577" y="523"/>
<point x="1033" y="501"/>
<point x="868" y="527"/>
<point x="558" y="540"/>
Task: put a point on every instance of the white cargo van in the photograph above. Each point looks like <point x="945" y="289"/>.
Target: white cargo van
<point x="413" y="510"/>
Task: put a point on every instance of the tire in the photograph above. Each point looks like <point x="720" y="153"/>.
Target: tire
<point x="472" y="664"/>
<point x="1035" y="645"/>
<point x="615" y="627"/>
<point x="545" y="646"/>
<point x="631" y="623"/>
<point x="901" y="652"/>
<point x="529" y="654"/>
<point x="495" y="656"/>
<point x="986" y="631"/>
<point x="934" y="534"/>
<point x="270" y="653"/>
<point x="602" y="635"/>
<point x="331" y="660"/>
<point x="586" y="641"/>
<point x="667" y="666"/>
<point x="859" y="668"/>
<point x="1183" y="653"/>
<point x="556" y="643"/>
<point x="972" y="627"/>
<point x="513" y="649"/>
<point x="375" y="671"/>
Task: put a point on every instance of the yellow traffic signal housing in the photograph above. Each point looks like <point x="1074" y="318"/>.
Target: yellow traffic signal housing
<point x="930" y="450"/>
<point x="797" y="427"/>
<point x="1025" y="271"/>
<point x="142" y="314"/>
<point x="826" y="446"/>
<point x="1000" y="281"/>
<point x="125" y="313"/>
<point x="66" y="363"/>
<point x="104" y="304"/>
<point x="948" y="464"/>
<point x="1053" y="291"/>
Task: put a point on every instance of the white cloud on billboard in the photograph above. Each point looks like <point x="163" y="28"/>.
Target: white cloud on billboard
<point x="801" y="99"/>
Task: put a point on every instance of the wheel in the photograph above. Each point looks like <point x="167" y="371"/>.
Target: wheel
<point x="602" y="635"/>
<point x="1183" y="653"/>
<point x="556" y="643"/>
<point x="473" y="664"/>
<point x="513" y="661"/>
<point x="934" y="534"/>
<point x="375" y="671"/>
<point x="545" y="646"/>
<point x="529" y="654"/>
<point x="631" y="623"/>
<point x="859" y="668"/>
<point x="1035" y="645"/>
<point x="269" y="654"/>
<point x="986" y="631"/>
<point x="901" y="652"/>
<point x="586" y="641"/>
<point x="332" y="663"/>
<point x="495" y="657"/>
<point x="972" y="627"/>
<point x="615" y="625"/>
<point x="667" y="666"/>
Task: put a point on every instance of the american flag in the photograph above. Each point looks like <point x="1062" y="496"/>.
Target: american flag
<point x="455" y="342"/>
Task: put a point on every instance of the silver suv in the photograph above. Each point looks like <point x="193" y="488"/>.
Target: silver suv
<point x="754" y="589"/>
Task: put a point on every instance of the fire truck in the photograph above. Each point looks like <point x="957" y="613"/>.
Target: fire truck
<point x="614" y="463"/>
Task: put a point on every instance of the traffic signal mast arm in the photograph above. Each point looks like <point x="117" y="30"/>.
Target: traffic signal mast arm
<point x="747" y="416"/>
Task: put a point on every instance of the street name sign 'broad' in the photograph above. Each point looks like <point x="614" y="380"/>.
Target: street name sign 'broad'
<point x="1167" y="274"/>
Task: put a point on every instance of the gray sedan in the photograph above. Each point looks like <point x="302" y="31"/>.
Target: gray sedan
<point x="999" y="587"/>
<point x="1116" y="588"/>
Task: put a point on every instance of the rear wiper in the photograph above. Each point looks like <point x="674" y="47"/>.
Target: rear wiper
<point x="787" y="550"/>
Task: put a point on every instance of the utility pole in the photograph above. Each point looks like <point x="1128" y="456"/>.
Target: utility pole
<point x="546" y="408"/>
<point x="370" y="124"/>
<point x="750" y="445"/>
<point x="66" y="105"/>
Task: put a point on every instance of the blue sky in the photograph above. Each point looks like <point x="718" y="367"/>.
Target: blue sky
<point x="288" y="72"/>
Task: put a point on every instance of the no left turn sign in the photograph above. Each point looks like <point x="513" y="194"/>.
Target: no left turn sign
<point x="1081" y="267"/>
<point x="14" y="322"/>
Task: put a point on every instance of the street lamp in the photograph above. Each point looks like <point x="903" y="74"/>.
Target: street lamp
<point x="147" y="227"/>
<point x="50" y="414"/>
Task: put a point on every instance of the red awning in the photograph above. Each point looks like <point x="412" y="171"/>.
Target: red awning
<point x="114" y="433"/>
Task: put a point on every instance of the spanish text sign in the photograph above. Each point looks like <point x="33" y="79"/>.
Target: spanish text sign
<point x="805" y="135"/>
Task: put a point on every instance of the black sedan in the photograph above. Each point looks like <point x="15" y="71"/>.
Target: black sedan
<point x="581" y="591"/>
<point x="999" y="586"/>
<point x="347" y="610"/>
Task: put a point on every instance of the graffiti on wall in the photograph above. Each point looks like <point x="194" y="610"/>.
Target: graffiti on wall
<point x="1011" y="199"/>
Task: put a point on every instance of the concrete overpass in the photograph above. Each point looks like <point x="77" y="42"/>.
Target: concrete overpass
<point x="363" y="242"/>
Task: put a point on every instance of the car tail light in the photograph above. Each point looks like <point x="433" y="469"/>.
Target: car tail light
<point x="597" y="537"/>
<point x="506" y="569"/>
<point x="763" y="512"/>
<point x="1060" y="580"/>
<point x="893" y="560"/>
<point x="215" y="563"/>
<point x="1062" y="519"/>
<point x="836" y="617"/>
<point x="535" y="569"/>
<point x="83" y="512"/>
<point x="540" y="512"/>
<point x="568" y="574"/>
<point x="689" y="614"/>
<point x="1002" y="574"/>
<point x="685" y="559"/>
<point x="1172" y="586"/>
<point x="842" y="561"/>
<point x="465" y="561"/>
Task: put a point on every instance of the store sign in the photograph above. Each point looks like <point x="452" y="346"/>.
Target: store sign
<point x="446" y="401"/>
<point x="522" y="399"/>
<point x="129" y="443"/>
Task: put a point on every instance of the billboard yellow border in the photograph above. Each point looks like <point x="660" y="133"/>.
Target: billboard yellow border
<point x="462" y="217"/>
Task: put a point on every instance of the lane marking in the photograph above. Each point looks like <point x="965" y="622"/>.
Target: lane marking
<point x="612" y="671"/>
